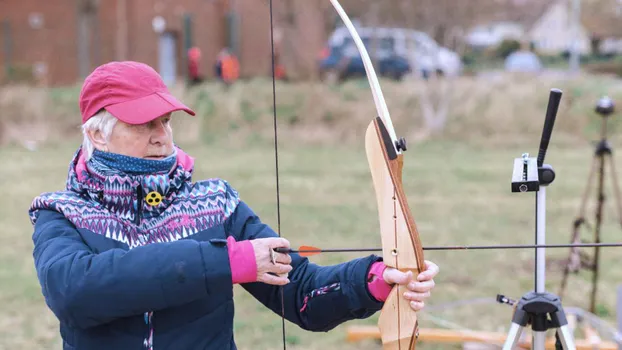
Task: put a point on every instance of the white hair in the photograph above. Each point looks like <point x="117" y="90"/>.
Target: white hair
<point x="102" y="121"/>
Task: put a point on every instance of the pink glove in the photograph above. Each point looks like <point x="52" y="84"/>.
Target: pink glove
<point x="242" y="261"/>
<point x="377" y="286"/>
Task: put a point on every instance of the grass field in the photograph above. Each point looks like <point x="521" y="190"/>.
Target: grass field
<point x="459" y="193"/>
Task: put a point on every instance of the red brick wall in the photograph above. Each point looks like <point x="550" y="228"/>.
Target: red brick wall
<point x="254" y="41"/>
<point x="53" y="43"/>
<point x="207" y="29"/>
<point x="56" y="43"/>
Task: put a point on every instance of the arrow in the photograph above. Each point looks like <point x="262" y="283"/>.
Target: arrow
<point x="310" y="251"/>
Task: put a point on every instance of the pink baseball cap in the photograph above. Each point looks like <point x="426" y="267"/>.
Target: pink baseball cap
<point x="131" y="91"/>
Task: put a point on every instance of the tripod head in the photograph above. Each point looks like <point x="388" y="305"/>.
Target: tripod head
<point x="605" y="107"/>
<point x="531" y="173"/>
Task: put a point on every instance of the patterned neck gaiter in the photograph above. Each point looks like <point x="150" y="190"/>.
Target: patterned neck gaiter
<point x="133" y="165"/>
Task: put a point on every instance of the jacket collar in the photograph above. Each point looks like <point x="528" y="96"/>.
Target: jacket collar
<point x="130" y="197"/>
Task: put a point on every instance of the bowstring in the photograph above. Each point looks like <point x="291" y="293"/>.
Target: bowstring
<point x="276" y="158"/>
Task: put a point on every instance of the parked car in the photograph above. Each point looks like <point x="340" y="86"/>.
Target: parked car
<point x="344" y="61"/>
<point x="397" y="52"/>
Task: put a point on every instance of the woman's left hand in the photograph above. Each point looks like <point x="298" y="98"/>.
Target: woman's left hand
<point x="419" y="288"/>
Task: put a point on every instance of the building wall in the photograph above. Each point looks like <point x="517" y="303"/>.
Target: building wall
<point x="42" y="34"/>
<point x="254" y="38"/>
<point x="207" y="29"/>
<point x="122" y="30"/>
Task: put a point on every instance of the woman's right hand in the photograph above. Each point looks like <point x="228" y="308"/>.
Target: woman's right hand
<point x="270" y="272"/>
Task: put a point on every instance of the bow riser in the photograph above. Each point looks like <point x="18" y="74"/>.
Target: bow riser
<point x="400" y="240"/>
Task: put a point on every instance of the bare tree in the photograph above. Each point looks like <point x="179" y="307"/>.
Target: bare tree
<point x="446" y="21"/>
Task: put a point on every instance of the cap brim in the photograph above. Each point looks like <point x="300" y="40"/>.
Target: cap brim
<point x="148" y="108"/>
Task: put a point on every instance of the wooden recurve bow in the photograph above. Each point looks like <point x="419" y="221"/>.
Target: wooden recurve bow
<point x="401" y="246"/>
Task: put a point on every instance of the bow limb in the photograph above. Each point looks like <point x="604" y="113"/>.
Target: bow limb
<point x="401" y="246"/>
<point x="381" y="105"/>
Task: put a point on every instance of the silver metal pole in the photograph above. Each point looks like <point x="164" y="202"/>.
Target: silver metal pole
<point x="619" y="312"/>
<point x="541" y="240"/>
<point x="539" y="338"/>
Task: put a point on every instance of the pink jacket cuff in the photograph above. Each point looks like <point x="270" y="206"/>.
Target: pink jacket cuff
<point x="242" y="261"/>
<point x="378" y="288"/>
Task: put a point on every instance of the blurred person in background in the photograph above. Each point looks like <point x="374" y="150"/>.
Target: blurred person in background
<point x="194" y="62"/>
<point x="227" y="67"/>
<point x="523" y="60"/>
<point x="135" y="255"/>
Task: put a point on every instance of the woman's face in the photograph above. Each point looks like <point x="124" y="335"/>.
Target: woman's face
<point x="152" y="140"/>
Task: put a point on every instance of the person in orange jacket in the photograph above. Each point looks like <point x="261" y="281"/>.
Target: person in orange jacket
<point x="227" y="67"/>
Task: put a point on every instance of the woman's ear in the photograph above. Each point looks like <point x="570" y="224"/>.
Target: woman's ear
<point x="98" y="140"/>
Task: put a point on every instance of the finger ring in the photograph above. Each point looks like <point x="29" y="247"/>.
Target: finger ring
<point x="273" y="253"/>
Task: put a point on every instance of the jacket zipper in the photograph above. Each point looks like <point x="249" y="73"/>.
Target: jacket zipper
<point x="148" y="341"/>
<point x="139" y="213"/>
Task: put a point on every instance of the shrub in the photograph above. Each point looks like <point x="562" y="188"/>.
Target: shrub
<point x="507" y="47"/>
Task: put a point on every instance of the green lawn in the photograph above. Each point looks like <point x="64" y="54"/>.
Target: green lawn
<point x="459" y="194"/>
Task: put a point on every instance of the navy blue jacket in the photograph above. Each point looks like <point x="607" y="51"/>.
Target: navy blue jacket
<point x="122" y="268"/>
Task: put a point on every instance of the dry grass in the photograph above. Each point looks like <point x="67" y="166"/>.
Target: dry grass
<point x="459" y="195"/>
<point x="458" y="186"/>
<point x="502" y="109"/>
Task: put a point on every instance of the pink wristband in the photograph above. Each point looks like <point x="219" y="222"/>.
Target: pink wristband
<point x="378" y="287"/>
<point x="242" y="261"/>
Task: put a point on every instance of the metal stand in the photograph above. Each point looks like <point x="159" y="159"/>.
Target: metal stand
<point x="539" y="308"/>
<point x="543" y="311"/>
<point x="577" y="260"/>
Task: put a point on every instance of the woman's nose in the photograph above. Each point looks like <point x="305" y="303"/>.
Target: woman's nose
<point x="159" y="132"/>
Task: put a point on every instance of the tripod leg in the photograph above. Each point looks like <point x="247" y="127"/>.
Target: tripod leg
<point x="565" y="337"/>
<point x="563" y="330"/>
<point x="596" y="161"/>
<point x="538" y="340"/>
<point x="599" y="219"/>
<point x="616" y="187"/>
<point x="573" y="263"/>
<point x="513" y="337"/>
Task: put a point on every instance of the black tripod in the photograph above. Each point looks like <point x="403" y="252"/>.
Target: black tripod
<point x="577" y="259"/>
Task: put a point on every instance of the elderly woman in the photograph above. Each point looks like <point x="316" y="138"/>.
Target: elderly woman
<point x="133" y="254"/>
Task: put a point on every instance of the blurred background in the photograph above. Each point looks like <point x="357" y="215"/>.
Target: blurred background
<point x="466" y="82"/>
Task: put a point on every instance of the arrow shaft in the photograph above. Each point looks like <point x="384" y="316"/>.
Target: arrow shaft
<point x="525" y="246"/>
<point x="456" y="247"/>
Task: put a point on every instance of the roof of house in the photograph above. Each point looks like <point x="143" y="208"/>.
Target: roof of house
<point x="522" y="12"/>
<point x="599" y="17"/>
<point x="528" y="12"/>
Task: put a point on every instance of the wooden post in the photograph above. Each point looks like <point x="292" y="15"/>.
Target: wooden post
<point x="8" y="48"/>
<point x="122" y="36"/>
<point x="84" y="41"/>
<point x="448" y="336"/>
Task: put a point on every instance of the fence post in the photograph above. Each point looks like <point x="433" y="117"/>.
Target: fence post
<point x="7" y="49"/>
<point x="187" y="35"/>
<point x="233" y="32"/>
